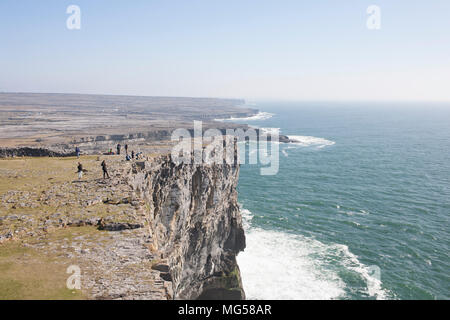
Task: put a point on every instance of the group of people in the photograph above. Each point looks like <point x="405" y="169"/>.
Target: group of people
<point x="119" y="147"/>
<point x="133" y="156"/>
<point x="128" y="157"/>
<point x="80" y="170"/>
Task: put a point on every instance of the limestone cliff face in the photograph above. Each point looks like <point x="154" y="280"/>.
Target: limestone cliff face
<point x="195" y="225"/>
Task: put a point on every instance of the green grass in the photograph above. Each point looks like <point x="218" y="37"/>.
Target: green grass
<point x="27" y="273"/>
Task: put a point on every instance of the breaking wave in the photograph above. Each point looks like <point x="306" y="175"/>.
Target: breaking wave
<point x="279" y="265"/>
<point x="308" y="141"/>
<point x="256" y="117"/>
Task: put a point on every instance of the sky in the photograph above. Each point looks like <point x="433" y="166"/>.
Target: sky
<point x="251" y="49"/>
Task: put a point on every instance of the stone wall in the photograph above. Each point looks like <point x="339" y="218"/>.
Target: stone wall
<point x="34" y="152"/>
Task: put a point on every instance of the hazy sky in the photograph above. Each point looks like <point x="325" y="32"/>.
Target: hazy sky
<point x="303" y="50"/>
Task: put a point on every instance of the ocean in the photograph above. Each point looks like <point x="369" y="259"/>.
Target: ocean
<point x="359" y="209"/>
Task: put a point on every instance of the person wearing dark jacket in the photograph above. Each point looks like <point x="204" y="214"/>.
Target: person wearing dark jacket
<point x="105" y="170"/>
<point x="80" y="171"/>
<point x="118" y="148"/>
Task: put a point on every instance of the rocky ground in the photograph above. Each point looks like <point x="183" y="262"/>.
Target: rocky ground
<point x="62" y="120"/>
<point x="50" y="219"/>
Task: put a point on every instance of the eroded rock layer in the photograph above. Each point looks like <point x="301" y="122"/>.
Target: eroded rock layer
<point x="195" y="224"/>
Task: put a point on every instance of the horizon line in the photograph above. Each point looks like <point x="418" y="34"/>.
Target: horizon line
<point x="246" y="100"/>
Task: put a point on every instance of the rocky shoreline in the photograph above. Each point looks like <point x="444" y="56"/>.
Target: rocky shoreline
<point x="155" y="230"/>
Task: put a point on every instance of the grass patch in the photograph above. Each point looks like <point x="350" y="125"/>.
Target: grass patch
<point x="27" y="273"/>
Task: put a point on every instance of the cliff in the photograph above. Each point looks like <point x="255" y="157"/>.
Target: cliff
<point x="155" y="230"/>
<point x="195" y="225"/>
<point x="152" y="231"/>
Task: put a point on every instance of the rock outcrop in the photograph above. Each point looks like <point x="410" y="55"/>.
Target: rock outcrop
<point x="34" y="152"/>
<point x="195" y="225"/>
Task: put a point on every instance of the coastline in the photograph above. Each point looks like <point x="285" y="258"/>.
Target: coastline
<point x="170" y="219"/>
<point x="171" y="279"/>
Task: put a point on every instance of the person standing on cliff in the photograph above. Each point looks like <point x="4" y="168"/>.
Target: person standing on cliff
<point x="77" y="151"/>
<point x="80" y="171"/>
<point x="126" y="149"/>
<point x="105" y="170"/>
<point x="118" y="148"/>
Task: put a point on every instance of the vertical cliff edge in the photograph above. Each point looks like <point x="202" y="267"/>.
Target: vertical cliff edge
<point x="194" y="224"/>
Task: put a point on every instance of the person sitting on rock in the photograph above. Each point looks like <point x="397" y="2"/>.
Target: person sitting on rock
<point x="105" y="170"/>
<point x="80" y="171"/>
<point x="127" y="157"/>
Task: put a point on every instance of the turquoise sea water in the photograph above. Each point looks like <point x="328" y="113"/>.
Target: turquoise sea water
<point x="358" y="210"/>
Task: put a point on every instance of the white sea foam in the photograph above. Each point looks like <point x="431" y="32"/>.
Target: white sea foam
<point x="374" y="283"/>
<point x="278" y="265"/>
<point x="271" y="131"/>
<point x="256" y="117"/>
<point x="308" y="141"/>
